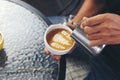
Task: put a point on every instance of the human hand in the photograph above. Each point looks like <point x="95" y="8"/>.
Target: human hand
<point x="102" y="29"/>
<point x="55" y="57"/>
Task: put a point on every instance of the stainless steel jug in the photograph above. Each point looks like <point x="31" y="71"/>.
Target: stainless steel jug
<point x="79" y="36"/>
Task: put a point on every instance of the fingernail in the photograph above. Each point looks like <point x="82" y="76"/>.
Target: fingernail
<point x="84" y="18"/>
<point x="81" y="26"/>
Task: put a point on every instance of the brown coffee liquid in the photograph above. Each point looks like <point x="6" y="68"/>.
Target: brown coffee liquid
<point x="60" y="39"/>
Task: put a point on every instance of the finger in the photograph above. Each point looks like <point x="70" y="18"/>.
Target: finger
<point x="93" y="20"/>
<point x="46" y="51"/>
<point x="94" y="29"/>
<point x="56" y="57"/>
<point x="84" y="18"/>
<point x="98" y="35"/>
<point x="94" y="36"/>
<point x="107" y="40"/>
<point x="90" y="30"/>
<point x="115" y="41"/>
<point x="96" y="42"/>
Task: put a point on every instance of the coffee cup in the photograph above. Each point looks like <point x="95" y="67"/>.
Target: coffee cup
<point x="1" y="40"/>
<point x="57" y="39"/>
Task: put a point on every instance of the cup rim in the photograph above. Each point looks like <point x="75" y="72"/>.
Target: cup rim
<point x="55" y="27"/>
<point x="1" y="36"/>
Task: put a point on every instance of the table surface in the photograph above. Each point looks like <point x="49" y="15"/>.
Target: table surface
<point x="22" y="57"/>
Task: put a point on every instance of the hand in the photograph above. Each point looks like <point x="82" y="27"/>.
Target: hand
<point x="103" y="29"/>
<point x="55" y="57"/>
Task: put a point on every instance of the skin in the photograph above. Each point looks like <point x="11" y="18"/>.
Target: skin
<point x="89" y="8"/>
<point x="103" y="29"/>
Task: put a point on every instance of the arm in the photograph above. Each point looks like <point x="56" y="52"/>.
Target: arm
<point x="88" y="9"/>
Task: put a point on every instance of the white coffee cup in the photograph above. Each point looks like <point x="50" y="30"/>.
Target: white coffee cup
<point x="52" y="50"/>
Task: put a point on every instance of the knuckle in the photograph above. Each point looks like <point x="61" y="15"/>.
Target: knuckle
<point x="86" y="30"/>
<point x="107" y="26"/>
<point x="107" y="15"/>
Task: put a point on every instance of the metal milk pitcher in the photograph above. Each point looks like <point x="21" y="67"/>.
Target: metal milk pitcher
<point x="79" y="36"/>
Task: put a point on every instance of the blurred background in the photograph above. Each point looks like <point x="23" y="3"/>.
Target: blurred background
<point x="56" y="7"/>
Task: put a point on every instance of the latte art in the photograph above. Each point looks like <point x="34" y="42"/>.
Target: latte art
<point x="60" y="39"/>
